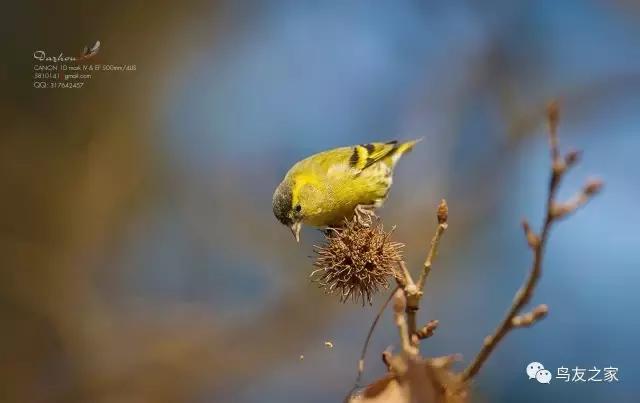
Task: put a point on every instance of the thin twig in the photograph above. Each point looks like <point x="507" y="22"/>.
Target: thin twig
<point x="399" y="305"/>
<point x="443" y="214"/>
<point x="405" y="281"/>
<point x="537" y="243"/>
<point x="553" y="116"/>
<point x="414" y="295"/>
<point x="411" y="293"/>
<point x="363" y="353"/>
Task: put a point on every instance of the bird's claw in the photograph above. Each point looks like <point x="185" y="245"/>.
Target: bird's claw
<point x="365" y="214"/>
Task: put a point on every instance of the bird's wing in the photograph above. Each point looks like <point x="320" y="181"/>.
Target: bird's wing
<point x="354" y="159"/>
<point x="365" y="155"/>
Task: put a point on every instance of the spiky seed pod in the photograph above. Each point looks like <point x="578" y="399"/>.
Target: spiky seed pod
<point x="356" y="260"/>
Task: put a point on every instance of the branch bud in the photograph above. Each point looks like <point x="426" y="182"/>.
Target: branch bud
<point x="532" y="239"/>
<point x="559" y="166"/>
<point x="553" y="114"/>
<point x="427" y="330"/>
<point x="592" y="187"/>
<point x="530" y="318"/>
<point x="443" y="212"/>
<point x="386" y="358"/>
<point x="572" y="157"/>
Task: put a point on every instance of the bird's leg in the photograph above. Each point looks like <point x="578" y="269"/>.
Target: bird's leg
<point x="365" y="213"/>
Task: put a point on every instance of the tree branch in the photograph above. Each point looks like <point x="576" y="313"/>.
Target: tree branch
<point x="399" y="305"/>
<point x="554" y="211"/>
<point x="443" y="215"/>
<point x="414" y="293"/>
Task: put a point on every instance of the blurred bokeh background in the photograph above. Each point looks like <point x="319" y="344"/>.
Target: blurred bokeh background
<point x="141" y="261"/>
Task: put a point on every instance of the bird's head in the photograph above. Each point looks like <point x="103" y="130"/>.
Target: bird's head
<point x="284" y="209"/>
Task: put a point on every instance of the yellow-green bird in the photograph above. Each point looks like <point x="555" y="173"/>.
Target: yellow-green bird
<point x="325" y="188"/>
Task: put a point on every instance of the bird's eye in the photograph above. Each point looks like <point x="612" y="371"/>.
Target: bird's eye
<point x="298" y="208"/>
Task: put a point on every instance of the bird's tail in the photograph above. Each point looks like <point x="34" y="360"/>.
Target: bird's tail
<point x="400" y="149"/>
<point x="408" y="146"/>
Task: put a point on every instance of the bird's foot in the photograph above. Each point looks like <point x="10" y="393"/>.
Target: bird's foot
<point x="365" y="214"/>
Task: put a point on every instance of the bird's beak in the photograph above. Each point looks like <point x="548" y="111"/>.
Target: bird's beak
<point x="295" y="230"/>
